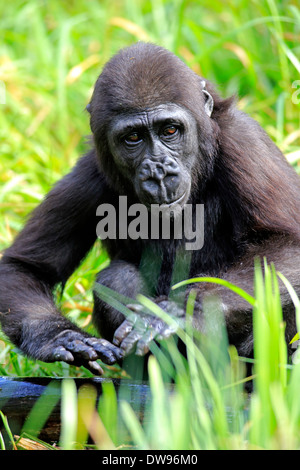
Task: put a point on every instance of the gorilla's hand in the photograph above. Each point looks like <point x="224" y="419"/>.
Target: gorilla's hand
<point x="77" y="349"/>
<point x="139" y="329"/>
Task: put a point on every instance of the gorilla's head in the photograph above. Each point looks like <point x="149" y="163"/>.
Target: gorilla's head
<point x="152" y="120"/>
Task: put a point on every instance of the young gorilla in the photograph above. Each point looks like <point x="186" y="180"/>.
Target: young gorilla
<point x="161" y="136"/>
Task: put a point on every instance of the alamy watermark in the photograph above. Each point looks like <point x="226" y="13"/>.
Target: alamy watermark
<point x="296" y="94"/>
<point x="157" y="222"/>
<point x="2" y="92"/>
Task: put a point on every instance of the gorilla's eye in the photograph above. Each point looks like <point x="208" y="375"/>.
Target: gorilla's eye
<point x="169" y="131"/>
<point x="133" y="138"/>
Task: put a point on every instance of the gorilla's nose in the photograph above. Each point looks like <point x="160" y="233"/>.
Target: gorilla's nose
<point x="158" y="169"/>
<point x="159" y="178"/>
<point x="154" y="170"/>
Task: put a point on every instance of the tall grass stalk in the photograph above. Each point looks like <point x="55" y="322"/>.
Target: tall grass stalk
<point x="216" y="413"/>
<point x="275" y="408"/>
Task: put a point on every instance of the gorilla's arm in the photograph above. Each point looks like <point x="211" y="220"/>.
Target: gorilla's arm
<point x="47" y="251"/>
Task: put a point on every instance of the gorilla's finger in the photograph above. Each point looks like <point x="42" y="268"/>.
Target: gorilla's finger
<point x="61" y="354"/>
<point x="78" y="348"/>
<point x="106" y="351"/>
<point x="143" y="345"/>
<point x="122" y="332"/>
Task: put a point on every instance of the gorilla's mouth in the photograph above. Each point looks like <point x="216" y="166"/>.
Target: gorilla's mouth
<point x="179" y="201"/>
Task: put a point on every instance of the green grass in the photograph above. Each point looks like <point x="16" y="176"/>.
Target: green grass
<point x="50" y="56"/>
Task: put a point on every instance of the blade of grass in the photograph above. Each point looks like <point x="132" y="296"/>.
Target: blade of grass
<point x="41" y="410"/>
<point x="68" y="414"/>
<point x="134" y="426"/>
<point x="2" y="443"/>
<point x="221" y="282"/>
<point x="89" y="418"/>
<point x="293" y="296"/>
<point x="108" y="410"/>
<point x="7" y="429"/>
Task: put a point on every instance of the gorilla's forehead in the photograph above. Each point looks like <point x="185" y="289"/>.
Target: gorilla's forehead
<point x="150" y="117"/>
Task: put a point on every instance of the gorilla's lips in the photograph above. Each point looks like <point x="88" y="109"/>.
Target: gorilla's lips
<point x="180" y="201"/>
<point x="163" y="204"/>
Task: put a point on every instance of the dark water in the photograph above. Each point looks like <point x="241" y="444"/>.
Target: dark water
<point x="18" y="395"/>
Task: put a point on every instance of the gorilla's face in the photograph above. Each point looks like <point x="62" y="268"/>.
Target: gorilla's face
<point x="155" y="150"/>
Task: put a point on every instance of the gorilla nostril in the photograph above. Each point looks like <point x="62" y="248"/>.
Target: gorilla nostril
<point x="159" y="172"/>
<point x="145" y="172"/>
<point x="171" y="164"/>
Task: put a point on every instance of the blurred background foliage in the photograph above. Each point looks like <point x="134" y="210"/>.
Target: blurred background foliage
<point x="52" y="52"/>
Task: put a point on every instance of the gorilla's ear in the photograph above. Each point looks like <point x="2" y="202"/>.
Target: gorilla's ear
<point x="88" y="107"/>
<point x="209" y="101"/>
